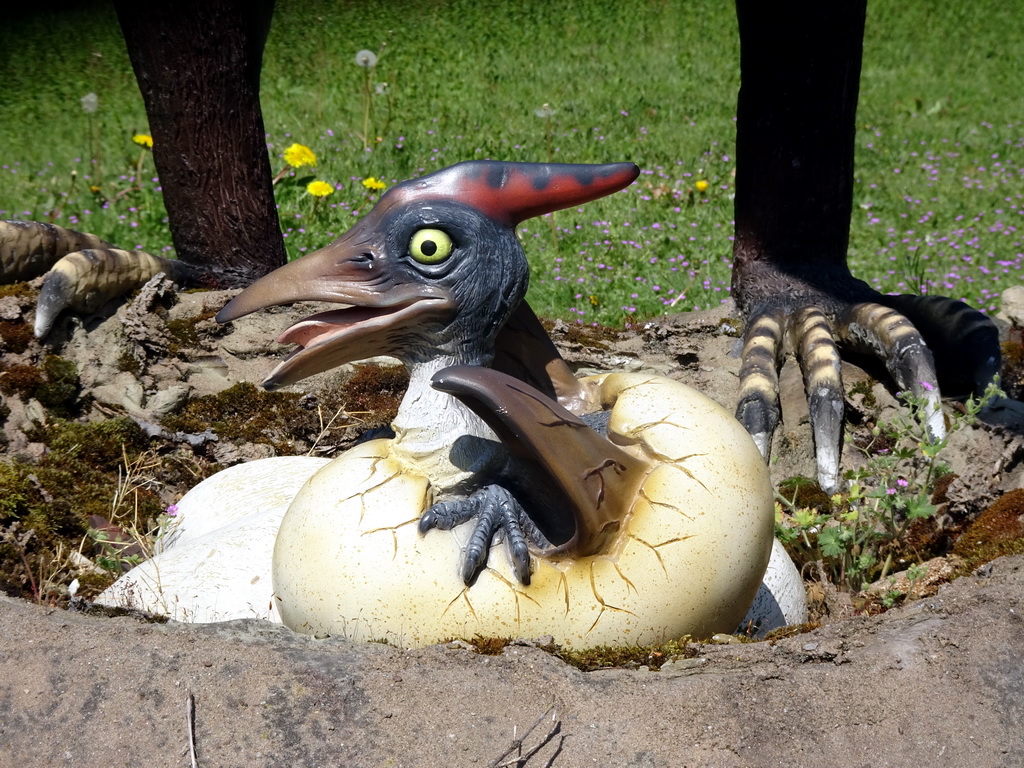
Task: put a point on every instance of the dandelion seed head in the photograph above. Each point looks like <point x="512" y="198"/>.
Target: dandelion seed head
<point x="366" y="58"/>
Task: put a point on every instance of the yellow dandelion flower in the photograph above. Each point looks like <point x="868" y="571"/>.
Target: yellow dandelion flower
<point x="143" y="140"/>
<point x="319" y="188"/>
<point x="298" y="155"/>
<point x="373" y="184"/>
<point x="701" y="185"/>
<point x="94" y="189"/>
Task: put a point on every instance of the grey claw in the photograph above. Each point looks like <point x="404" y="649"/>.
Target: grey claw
<point x="758" y="405"/>
<point x="497" y="512"/>
<point x="819" y="361"/>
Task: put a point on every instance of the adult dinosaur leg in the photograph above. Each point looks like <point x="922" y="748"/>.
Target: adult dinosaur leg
<point x="800" y="72"/>
<point x="198" y="64"/>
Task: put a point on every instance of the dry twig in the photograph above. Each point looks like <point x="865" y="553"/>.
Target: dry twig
<point x="504" y="761"/>
<point x="190" y="718"/>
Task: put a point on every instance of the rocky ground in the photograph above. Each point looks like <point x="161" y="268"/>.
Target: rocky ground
<point x="934" y="679"/>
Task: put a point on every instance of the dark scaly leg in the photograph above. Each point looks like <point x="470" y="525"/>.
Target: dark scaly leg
<point x="198" y="68"/>
<point x="800" y="70"/>
<point x="198" y="65"/>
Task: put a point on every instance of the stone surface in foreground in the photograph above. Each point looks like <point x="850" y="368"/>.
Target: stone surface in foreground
<point x="938" y="682"/>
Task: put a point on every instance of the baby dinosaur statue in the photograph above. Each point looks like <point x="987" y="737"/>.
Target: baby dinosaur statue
<point x="632" y="507"/>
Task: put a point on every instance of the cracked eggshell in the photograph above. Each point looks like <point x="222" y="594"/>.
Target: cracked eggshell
<point x="349" y="560"/>
<point x="781" y="600"/>
<point x="212" y="561"/>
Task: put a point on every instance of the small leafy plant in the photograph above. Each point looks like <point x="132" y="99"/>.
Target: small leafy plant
<point x="857" y="534"/>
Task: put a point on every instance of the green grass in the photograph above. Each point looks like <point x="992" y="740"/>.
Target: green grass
<point x="940" y="137"/>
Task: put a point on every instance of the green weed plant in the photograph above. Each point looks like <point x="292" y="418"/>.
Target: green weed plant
<point x="859" y="532"/>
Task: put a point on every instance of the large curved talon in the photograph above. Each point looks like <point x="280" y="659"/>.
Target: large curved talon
<point x="758" y="407"/>
<point x="820" y="364"/>
<point x="86" y="280"/>
<point x="871" y="327"/>
<point x="82" y="271"/>
<point x="964" y="342"/>
<point x="29" y="248"/>
<point x="497" y="512"/>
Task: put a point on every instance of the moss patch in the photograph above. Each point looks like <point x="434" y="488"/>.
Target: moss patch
<point x="997" y="531"/>
<point x="45" y="507"/>
<point x="1012" y="375"/>
<point x="866" y="389"/>
<point x="100" y="445"/>
<point x="16" y="335"/>
<point x="244" y="413"/>
<point x="803" y="492"/>
<point x="599" y="657"/>
<point x="374" y="393"/>
<point x="731" y="326"/>
<point x="59" y="391"/>
<point x="369" y="398"/>
<point x="54" y="383"/>
<point x="18" y="289"/>
<point x="184" y="333"/>
<point x="626" y="657"/>
<point x="19" y="379"/>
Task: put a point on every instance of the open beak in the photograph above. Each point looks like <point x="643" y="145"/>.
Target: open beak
<point x="379" y="308"/>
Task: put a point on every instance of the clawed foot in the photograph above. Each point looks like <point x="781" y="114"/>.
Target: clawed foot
<point x="965" y="340"/>
<point x="82" y="271"/>
<point x="497" y="513"/>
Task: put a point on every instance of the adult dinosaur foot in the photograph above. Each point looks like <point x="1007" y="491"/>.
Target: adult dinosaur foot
<point x="497" y="514"/>
<point x="82" y="272"/>
<point x="924" y="341"/>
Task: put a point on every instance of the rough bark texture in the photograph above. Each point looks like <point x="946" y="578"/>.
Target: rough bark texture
<point x="198" y="67"/>
<point x="800" y="71"/>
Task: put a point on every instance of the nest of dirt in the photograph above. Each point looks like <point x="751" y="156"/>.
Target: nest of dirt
<point x="111" y="420"/>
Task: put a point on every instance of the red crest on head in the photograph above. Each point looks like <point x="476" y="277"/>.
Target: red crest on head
<point x="513" y="192"/>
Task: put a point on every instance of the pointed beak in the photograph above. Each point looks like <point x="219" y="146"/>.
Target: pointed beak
<point x="325" y="275"/>
<point x="379" y="308"/>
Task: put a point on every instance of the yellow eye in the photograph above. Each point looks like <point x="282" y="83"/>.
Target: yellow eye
<point x="430" y="246"/>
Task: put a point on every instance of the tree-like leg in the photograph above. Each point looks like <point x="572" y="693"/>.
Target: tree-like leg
<point x="198" y="64"/>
